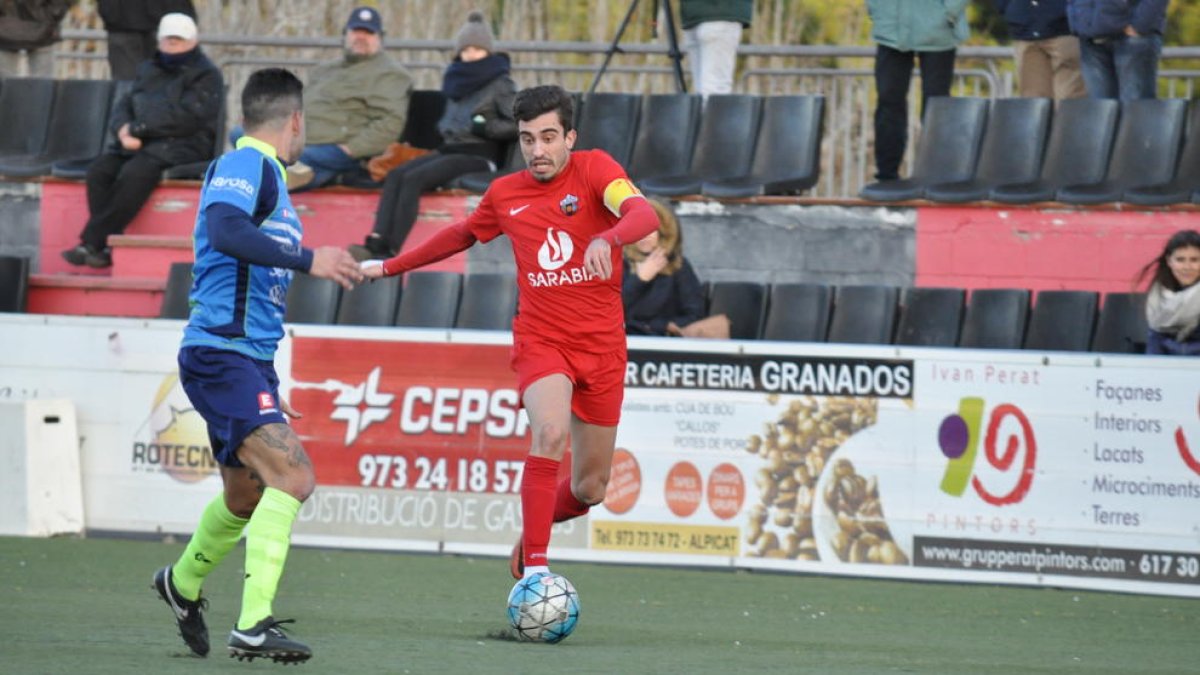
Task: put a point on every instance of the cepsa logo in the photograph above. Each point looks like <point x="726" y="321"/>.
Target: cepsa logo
<point x="174" y="440"/>
<point x="958" y="437"/>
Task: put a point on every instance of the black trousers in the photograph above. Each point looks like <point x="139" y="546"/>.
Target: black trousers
<point x="126" y="50"/>
<point x="893" y="73"/>
<point x="404" y="185"/>
<point x="117" y="188"/>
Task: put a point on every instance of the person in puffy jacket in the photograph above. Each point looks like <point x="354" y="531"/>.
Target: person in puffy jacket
<point x="1120" y="42"/>
<point x="1046" y="53"/>
<point x="168" y="118"/>
<point x="908" y="31"/>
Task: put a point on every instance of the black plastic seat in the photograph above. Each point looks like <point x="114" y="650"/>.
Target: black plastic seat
<point x="995" y="319"/>
<point x="14" y="283"/>
<point x="77" y="168"/>
<point x="1121" y="327"/>
<point x="609" y="122"/>
<point x="666" y="134"/>
<point x="179" y="286"/>
<point x="312" y="300"/>
<point x="425" y="108"/>
<point x="1081" y="136"/>
<point x="478" y="181"/>
<point x="787" y="155"/>
<point x="744" y="302"/>
<point x="429" y="300"/>
<point x="947" y="149"/>
<point x="24" y="120"/>
<point x="798" y="312"/>
<point x="1013" y="144"/>
<point x="724" y="146"/>
<point x="372" y="304"/>
<point x="75" y="128"/>
<point x="1144" y="152"/>
<point x="863" y="315"/>
<point x="930" y="317"/>
<point x="1062" y="321"/>
<point x="1179" y="189"/>
<point x="488" y="302"/>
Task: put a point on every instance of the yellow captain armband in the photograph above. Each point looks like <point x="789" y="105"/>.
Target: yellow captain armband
<point x="617" y="192"/>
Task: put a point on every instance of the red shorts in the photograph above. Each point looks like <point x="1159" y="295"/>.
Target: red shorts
<point x="598" y="379"/>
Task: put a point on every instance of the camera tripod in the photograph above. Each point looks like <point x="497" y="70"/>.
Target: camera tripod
<point x="672" y="42"/>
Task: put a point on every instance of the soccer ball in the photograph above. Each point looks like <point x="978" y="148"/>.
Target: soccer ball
<point x="543" y="607"/>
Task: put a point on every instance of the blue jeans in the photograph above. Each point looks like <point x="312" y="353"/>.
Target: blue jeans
<point x="1161" y="343"/>
<point x="1121" y="67"/>
<point x="327" y="162"/>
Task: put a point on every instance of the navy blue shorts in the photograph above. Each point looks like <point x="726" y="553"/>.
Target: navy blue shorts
<point x="234" y="393"/>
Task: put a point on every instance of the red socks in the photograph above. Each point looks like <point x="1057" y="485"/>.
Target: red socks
<point x="537" y="507"/>
<point x="566" y="506"/>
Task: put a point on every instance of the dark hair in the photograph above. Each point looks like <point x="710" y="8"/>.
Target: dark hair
<point x="537" y="101"/>
<point x="270" y="94"/>
<point x="1157" y="269"/>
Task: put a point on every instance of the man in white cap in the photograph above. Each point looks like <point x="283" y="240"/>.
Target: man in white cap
<point x="355" y="106"/>
<point x="132" y="27"/>
<point x="168" y="118"/>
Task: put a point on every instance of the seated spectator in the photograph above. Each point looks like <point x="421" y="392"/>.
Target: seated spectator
<point x="354" y="106"/>
<point x="132" y="28"/>
<point x="1173" y="300"/>
<point x="477" y="122"/>
<point x="168" y="118"/>
<point x="661" y="292"/>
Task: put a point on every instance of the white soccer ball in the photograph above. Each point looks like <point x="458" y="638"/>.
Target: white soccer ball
<point x="543" y="607"/>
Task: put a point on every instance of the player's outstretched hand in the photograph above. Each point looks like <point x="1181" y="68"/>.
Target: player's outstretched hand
<point x="597" y="259"/>
<point x="331" y="262"/>
<point x="372" y="269"/>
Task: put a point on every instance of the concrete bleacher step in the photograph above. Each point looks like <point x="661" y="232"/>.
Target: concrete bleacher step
<point x="148" y="255"/>
<point x="84" y="295"/>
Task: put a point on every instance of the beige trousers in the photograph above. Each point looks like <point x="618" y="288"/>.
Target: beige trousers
<point x="1049" y="68"/>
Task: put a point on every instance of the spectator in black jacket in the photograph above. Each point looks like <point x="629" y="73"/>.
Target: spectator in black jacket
<point x="168" y="118"/>
<point x="1047" y="54"/>
<point x="28" y="31"/>
<point x="132" y="31"/>
<point x="660" y="290"/>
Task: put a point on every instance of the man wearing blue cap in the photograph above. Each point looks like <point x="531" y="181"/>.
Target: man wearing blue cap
<point x="355" y="106"/>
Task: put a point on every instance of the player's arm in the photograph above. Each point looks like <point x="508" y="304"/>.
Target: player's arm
<point x="448" y="241"/>
<point x="638" y="219"/>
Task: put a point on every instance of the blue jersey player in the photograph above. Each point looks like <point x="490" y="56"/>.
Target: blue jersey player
<point x="247" y="246"/>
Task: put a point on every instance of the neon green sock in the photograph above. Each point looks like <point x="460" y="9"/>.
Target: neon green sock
<point x="215" y="536"/>
<point x="267" y="539"/>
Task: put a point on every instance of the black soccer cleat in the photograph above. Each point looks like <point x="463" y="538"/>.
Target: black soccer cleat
<point x="267" y="640"/>
<point x="188" y="614"/>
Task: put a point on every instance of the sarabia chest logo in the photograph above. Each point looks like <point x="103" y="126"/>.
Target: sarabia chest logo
<point x="556" y="250"/>
<point x="958" y="437"/>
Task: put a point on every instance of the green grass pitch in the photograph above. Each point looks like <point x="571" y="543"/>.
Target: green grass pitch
<point x="86" y="606"/>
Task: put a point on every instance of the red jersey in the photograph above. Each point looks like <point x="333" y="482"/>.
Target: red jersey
<point x="550" y="226"/>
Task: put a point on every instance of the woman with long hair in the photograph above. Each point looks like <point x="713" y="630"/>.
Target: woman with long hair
<point x="661" y="291"/>
<point x="1173" y="298"/>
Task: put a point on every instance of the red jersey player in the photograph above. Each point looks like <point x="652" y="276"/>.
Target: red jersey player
<point x="567" y="216"/>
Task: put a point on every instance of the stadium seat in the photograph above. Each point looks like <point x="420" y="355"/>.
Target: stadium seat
<point x="995" y="319"/>
<point x="425" y="108"/>
<point x="14" y="283"/>
<point x="1013" y="144"/>
<point x="75" y="128"/>
<point x="1144" y="152"/>
<point x="429" y="300"/>
<point x="666" y="134"/>
<point x="1081" y="135"/>
<point x="1062" y="321"/>
<point x="609" y="122"/>
<point x="1179" y="189"/>
<point x="25" y="104"/>
<point x="930" y="317"/>
<point x="77" y="168"/>
<point x="488" y="302"/>
<point x="179" y="286"/>
<point x="724" y="146"/>
<point x="372" y="304"/>
<point x="946" y="151"/>
<point x="787" y="155"/>
<point x="798" y="312"/>
<point x="312" y="300"/>
<point x="479" y="181"/>
<point x="743" y="302"/>
<point x="1121" y="327"/>
<point x="863" y="315"/>
<point x="196" y="170"/>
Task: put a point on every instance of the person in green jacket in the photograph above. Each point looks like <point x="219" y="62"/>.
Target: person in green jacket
<point x="907" y="31"/>
<point x="354" y="106"/>
<point x="712" y="30"/>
